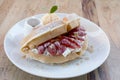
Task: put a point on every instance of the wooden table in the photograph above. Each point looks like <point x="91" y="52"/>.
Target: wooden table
<point x="105" y="13"/>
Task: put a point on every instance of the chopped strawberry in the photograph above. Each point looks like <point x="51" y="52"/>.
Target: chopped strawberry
<point x="67" y="43"/>
<point x="60" y="48"/>
<point x="57" y="44"/>
<point x="47" y="44"/>
<point x="72" y="40"/>
<point x="81" y="33"/>
<point x="41" y="49"/>
<point x="52" y="49"/>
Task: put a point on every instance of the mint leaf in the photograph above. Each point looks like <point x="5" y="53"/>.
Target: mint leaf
<point x="53" y="9"/>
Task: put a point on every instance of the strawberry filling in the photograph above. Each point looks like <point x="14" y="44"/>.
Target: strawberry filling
<point x="58" y="45"/>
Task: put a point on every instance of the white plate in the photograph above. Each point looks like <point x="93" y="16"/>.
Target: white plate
<point x="87" y="63"/>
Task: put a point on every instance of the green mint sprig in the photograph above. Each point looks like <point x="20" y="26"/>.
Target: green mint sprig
<point x="53" y="9"/>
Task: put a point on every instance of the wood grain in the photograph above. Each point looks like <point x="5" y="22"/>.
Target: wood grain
<point x="89" y="10"/>
<point x="105" y="13"/>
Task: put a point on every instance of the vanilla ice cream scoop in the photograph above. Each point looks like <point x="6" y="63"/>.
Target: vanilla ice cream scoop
<point x="49" y="17"/>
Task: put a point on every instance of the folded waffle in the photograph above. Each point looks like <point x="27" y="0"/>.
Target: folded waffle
<point x="50" y="31"/>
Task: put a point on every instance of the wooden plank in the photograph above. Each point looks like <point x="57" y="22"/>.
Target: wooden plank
<point x="89" y="10"/>
<point x="108" y="12"/>
<point x="69" y="6"/>
<point x="5" y="6"/>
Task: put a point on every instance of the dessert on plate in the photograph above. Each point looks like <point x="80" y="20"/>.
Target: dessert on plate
<point x="57" y="40"/>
